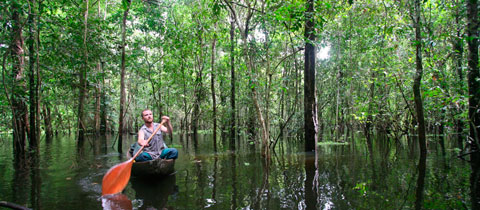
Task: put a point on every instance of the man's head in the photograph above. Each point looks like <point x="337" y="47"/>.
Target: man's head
<point x="147" y="116"/>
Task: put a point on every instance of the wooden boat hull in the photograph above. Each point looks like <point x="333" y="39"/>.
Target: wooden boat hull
<point x="157" y="167"/>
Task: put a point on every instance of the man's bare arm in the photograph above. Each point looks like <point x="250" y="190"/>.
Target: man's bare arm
<point x="141" y="138"/>
<point x="167" y="127"/>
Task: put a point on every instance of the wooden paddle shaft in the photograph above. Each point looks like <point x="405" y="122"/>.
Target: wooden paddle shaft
<point x="148" y="140"/>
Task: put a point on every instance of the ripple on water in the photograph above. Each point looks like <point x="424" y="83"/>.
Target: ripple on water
<point x="90" y="184"/>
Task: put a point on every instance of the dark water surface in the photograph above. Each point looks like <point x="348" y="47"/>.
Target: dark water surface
<point x="64" y="176"/>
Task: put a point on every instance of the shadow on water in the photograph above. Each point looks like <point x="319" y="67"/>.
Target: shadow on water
<point x="154" y="192"/>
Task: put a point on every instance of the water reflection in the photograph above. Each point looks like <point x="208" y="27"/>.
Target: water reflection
<point x="116" y="202"/>
<point x="154" y="191"/>
<point x="374" y="174"/>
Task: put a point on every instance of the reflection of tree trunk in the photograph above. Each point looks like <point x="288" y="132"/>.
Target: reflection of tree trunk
<point x="200" y="183"/>
<point x="35" y="189"/>
<point x="310" y="193"/>
<point x="422" y="168"/>
<point x="20" y="182"/>
<point x="234" y="182"/>
<point x="214" y="182"/>
<point x="372" y="161"/>
<point x="265" y="185"/>
<point x="475" y="185"/>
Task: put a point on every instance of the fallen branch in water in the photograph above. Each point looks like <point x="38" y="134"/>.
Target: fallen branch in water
<point x="12" y="205"/>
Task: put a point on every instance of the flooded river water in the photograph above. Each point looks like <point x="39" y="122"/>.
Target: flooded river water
<point x="64" y="175"/>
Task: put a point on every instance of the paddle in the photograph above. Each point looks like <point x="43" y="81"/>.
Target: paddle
<point x="116" y="179"/>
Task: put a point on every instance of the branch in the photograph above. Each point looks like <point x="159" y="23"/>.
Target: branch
<point x="284" y="58"/>
<point x="403" y="95"/>
<point x="12" y="205"/>
<point x="241" y="5"/>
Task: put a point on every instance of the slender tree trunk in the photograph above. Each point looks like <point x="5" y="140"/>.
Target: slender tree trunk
<point x="98" y="93"/>
<point x="214" y="102"/>
<point x="232" y="85"/>
<point x="32" y="137"/>
<point x="103" y="106"/>
<point x="419" y="105"/>
<point x="38" y="91"/>
<point x="458" y="60"/>
<point x="83" y="81"/>
<point x="19" y="108"/>
<point x="198" y="91"/>
<point x="473" y="73"/>
<point x="473" y="99"/>
<point x="185" y="106"/>
<point x="309" y="78"/>
<point x="47" y="119"/>
<point x="122" y="80"/>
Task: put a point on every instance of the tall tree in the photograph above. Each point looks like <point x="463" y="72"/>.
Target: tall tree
<point x="212" y="85"/>
<point x="473" y="74"/>
<point x="82" y="92"/>
<point x="309" y="77"/>
<point x="232" y="84"/>
<point x="199" y="92"/>
<point x="18" y="106"/>
<point x="458" y="60"/>
<point x="251" y="70"/>
<point x="98" y="93"/>
<point x="419" y="103"/>
<point x="473" y="77"/>
<point x="126" y="5"/>
<point x="33" y="141"/>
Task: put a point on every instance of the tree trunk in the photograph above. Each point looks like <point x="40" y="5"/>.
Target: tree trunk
<point x="32" y="137"/>
<point x="19" y="108"/>
<point x="47" y="122"/>
<point x="458" y="60"/>
<point x="122" y="80"/>
<point x="83" y="82"/>
<point x="474" y="98"/>
<point x="103" y="106"/>
<point x="38" y="91"/>
<point x="214" y="102"/>
<point x="473" y="73"/>
<point x="419" y="104"/>
<point x="232" y="85"/>
<point x="309" y="78"/>
<point x="98" y="93"/>
<point x="198" y="90"/>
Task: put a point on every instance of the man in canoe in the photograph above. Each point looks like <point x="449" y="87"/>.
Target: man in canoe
<point x="156" y="148"/>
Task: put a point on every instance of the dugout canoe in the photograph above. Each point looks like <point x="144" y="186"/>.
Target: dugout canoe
<point x="157" y="167"/>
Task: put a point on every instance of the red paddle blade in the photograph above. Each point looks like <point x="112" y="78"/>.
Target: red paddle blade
<point x="116" y="179"/>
